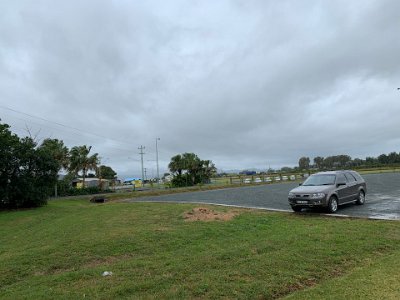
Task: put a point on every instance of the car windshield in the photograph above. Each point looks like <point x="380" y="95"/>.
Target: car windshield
<point x="320" y="180"/>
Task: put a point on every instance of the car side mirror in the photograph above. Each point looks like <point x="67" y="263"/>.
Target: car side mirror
<point x="300" y="183"/>
<point x="340" y="184"/>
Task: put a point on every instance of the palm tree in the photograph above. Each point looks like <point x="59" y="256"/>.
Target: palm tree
<point x="196" y="170"/>
<point x="193" y="165"/>
<point x="177" y="164"/>
<point x="208" y="168"/>
<point x="60" y="153"/>
<point x="58" y="150"/>
<point x="81" y="161"/>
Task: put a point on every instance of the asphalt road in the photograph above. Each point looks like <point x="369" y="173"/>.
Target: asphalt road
<point x="382" y="201"/>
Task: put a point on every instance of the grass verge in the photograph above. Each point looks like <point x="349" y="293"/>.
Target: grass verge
<point x="155" y="192"/>
<point x="61" y="250"/>
<point x="373" y="279"/>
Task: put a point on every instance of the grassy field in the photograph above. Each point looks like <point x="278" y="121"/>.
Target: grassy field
<point x="61" y="251"/>
<point x="379" y="170"/>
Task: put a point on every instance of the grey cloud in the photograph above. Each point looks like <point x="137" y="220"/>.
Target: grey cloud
<point x="244" y="83"/>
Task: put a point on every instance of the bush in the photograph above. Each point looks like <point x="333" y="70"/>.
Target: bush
<point x="181" y="181"/>
<point x="188" y="180"/>
<point x="71" y="191"/>
<point x="27" y="173"/>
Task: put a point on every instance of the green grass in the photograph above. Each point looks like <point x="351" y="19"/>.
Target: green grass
<point x="157" y="192"/>
<point x="61" y="250"/>
<point x="379" y="170"/>
<point x="373" y="279"/>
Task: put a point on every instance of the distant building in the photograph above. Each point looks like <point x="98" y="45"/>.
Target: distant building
<point x="91" y="182"/>
<point x="136" y="182"/>
<point x="247" y="172"/>
<point x="168" y="178"/>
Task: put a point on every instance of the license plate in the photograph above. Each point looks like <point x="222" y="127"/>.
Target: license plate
<point x="302" y="202"/>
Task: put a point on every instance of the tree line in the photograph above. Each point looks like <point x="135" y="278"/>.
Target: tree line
<point x="345" y="161"/>
<point x="29" y="170"/>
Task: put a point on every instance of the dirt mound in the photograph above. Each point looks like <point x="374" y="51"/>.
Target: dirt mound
<point x="206" y="214"/>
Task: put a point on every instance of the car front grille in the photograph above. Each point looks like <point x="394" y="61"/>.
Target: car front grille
<point x="302" y="196"/>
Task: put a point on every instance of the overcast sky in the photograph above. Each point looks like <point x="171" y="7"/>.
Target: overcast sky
<point x="246" y="84"/>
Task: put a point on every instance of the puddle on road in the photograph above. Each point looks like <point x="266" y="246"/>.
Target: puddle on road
<point x="384" y="206"/>
<point x="380" y="197"/>
<point x="384" y="202"/>
<point x="388" y="216"/>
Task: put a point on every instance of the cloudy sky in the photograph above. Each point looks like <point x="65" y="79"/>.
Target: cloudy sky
<point x="247" y="84"/>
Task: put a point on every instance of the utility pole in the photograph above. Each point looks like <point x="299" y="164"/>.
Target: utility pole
<point x="158" y="171"/>
<point x="141" y="148"/>
<point x="145" y="173"/>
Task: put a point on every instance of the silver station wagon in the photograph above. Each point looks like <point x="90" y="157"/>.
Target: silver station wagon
<point x="328" y="190"/>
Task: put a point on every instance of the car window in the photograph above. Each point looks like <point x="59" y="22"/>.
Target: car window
<point x="350" y="177"/>
<point x="341" y="178"/>
<point x="357" y="176"/>
<point x="323" y="179"/>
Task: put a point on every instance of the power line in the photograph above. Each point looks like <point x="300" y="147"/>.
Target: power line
<point x="53" y="128"/>
<point x="60" y="124"/>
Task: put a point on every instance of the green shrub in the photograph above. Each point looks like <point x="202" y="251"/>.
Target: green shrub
<point x="71" y="191"/>
<point x="27" y="173"/>
<point x="181" y="181"/>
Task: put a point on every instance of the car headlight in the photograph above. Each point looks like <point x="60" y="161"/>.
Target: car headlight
<point x="317" y="195"/>
<point x="292" y="195"/>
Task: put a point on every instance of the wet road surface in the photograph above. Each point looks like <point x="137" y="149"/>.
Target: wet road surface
<point x="382" y="201"/>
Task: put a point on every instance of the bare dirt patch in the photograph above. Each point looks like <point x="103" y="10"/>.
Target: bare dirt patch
<point x="206" y="214"/>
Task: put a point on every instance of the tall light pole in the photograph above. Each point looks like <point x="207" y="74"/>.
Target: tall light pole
<point x="158" y="171"/>
<point x="141" y="148"/>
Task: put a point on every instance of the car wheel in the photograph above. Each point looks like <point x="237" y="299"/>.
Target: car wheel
<point x="297" y="208"/>
<point x="332" y="204"/>
<point x="361" y="198"/>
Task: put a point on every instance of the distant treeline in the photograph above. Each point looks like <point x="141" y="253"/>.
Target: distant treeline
<point x="332" y="162"/>
<point x="345" y="161"/>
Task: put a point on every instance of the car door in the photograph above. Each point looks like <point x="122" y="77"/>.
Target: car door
<point x="343" y="191"/>
<point x="352" y="185"/>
